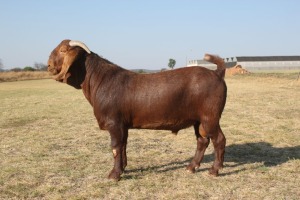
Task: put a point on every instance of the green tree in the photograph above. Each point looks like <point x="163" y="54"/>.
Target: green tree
<point x="28" y="68"/>
<point x="172" y="63"/>
<point x="141" y="71"/>
<point x="1" y="65"/>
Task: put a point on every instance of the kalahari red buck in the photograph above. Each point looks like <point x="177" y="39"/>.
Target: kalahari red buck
<point x="170" y="100"/>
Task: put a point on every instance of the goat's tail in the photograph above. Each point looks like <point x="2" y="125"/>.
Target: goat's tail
<point x="218" y="61"/>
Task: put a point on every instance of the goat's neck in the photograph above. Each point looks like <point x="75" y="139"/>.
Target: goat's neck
<point x="99" y="71"/>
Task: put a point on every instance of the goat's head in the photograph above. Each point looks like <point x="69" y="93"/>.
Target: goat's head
<point x="64" y="56"/>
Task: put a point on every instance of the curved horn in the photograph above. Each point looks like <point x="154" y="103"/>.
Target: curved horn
<point x="74" y="43"/>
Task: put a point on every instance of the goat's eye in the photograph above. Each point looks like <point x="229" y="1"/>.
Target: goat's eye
<point x="63" y="49"/>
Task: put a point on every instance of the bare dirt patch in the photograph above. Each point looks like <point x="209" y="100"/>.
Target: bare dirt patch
<point x="238" y="69"/>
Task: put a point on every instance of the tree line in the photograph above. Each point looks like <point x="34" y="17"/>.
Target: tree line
<point x="36" y="67"/>
<point x="43" y="67"/>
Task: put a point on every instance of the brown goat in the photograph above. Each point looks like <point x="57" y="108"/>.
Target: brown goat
<point x="170" y="100"/>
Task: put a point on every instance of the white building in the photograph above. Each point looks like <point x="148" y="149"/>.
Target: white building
<point x="255" y="62"/>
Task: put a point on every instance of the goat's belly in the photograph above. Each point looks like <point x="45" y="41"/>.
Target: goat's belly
<point x="174" y="125"/>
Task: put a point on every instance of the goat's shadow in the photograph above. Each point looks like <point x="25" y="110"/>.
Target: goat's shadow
<point x="241" y="154"/>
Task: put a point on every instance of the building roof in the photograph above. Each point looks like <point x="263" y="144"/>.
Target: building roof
<point x="267" y="58"/>
<point x="199" y="62"/>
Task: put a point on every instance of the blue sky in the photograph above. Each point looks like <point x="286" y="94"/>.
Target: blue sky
<point x="145" y="34"/>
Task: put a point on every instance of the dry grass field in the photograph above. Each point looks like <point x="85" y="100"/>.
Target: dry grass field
<point x="51" y="147"/>
<point x="23" y="75"/>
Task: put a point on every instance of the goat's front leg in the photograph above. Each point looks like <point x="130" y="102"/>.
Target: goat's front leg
<point x="124" y="154"/>
<point x="118" y="147"/>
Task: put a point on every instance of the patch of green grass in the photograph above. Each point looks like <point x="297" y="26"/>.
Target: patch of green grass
<point x="51" y="147"/>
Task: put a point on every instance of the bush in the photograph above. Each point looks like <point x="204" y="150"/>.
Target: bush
<point x="28" y="68"/>
<point x="16" y="69"/>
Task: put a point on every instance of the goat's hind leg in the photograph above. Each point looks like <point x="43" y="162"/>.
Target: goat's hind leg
<point x="202" y="144"/>
<point x="219" y="142"/>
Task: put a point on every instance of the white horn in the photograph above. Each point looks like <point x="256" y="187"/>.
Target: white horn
<point x="74" y="43"/>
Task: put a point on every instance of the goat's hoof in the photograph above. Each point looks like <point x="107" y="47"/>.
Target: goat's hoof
<point x="113" y="175"/>
<point x="123" y="169"/>
<point x="190" y="169"/>
<point x="214" y="172"/>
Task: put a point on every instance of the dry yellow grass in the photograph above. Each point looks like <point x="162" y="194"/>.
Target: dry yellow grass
<point x="25" y="75"/>
<point x="51" y="147"/>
